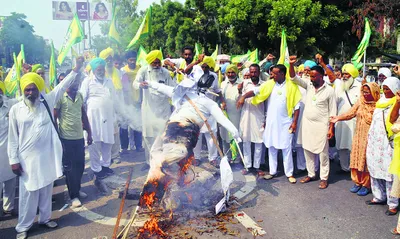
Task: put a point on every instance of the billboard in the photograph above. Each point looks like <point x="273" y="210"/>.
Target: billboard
<point x="98" y="11"/>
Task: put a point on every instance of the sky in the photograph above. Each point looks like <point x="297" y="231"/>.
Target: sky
<point x="39" y="15"/>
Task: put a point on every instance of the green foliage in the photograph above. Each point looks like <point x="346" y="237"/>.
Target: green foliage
<point x="311" y="26"/>
<point x="16" y="31"/>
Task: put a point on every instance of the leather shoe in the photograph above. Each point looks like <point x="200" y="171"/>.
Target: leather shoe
<point x="323" y="184"/>
<point x="307" y="179"/>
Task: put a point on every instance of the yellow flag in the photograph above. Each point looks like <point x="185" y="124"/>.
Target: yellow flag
<point x="144" y="29"/>
<point x="113" y="33"/>
<point x="74" y="35"/>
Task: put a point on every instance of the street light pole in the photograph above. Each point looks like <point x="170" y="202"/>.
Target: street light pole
<point x="90" y="34"/>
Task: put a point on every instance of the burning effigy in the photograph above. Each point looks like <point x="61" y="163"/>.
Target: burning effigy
<point x="171" y="155"/>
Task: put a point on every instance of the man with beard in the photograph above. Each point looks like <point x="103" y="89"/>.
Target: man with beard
<point x="99" y="97"/>
<point x="230" y="94"/>
<point x="156" y="108"/>
<point x="281" y="118"/>
<point x="8" y="180"/>
<point x="252" y="123"/>
<point x="114" y="74"/>
<point x="132" y="98"/>
<point x="183" y="64"/>
<point x="320" y="105"/>
<point x="34" y="148"/>
<point x="347" y="96"/>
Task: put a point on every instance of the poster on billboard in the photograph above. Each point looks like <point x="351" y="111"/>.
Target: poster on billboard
<point x="63" y="10"/>
<point x="99" y="10"/>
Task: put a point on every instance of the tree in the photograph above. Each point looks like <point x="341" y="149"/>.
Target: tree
<point x="16" y="31"/>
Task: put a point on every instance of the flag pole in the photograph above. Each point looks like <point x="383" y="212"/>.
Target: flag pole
<point x="365" y="59"/>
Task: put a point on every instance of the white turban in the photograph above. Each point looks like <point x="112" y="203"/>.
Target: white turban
<point x="385" y="71"/>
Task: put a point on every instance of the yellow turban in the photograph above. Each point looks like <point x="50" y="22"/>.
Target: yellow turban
<point x="153" y="55"/>
<point x="300" y="68"/>
<point x="34" y="78"/>
<point x="104" y="54"/>
<point x="3" y="87"/>
<point x="37" y="67"/>
<point x="232" y="67"/>
<point x="209" y="61"/>
<point x="351" y="69"/>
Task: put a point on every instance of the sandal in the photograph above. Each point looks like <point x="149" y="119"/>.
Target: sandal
<point x="292" y="180"/>
<point x="391" y="212"/>
<point x="372" y="202"/>
<point x="260" y="173"/>
<point x="244" y="172"/>
<point x="394" y="231"/>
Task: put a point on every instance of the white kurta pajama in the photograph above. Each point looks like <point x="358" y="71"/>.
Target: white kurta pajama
<point x="251" y="126"/>
<point x="34" y="143"/>
<point x="8" y="179"/>
<point x="211" y="147"/>
<point x="231" y="94"/>
<point x="320" y="105"/>
<point x="344" y="130"/>
<point x="156" y="108"/>
<point x="276" y="134"/>
<point x="99" y="98"/>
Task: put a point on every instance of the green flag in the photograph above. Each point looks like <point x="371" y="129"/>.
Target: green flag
<point x="284" y="51"/>
<point x="74" y="35"/>
<point x="362" y="47"/>
<point x="53" y="68"/>
<point x="141" y="57"/>
<point x="239" y="58"/>
<point x="113" y="33"/>
<point x="215" y="53"/>
<point x="144" y="29"/>
<point x="12" y="79"/>
<point x="197" y="50"/>
<point x="253" y="57"/>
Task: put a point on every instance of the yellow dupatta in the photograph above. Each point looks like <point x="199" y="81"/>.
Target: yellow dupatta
<point x="293" y="94"/>
<point x="115" y="77"/>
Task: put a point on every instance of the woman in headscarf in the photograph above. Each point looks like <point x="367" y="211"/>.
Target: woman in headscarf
<point x="362" y="110"/>
<point x="395" y="165"/>
<point x="380" y="148"/>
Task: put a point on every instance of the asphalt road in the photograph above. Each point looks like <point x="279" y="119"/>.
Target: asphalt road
<point x="283" y="210"/>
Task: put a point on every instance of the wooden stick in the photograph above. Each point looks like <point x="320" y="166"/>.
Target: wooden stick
<point x="241" y="154"/>
<point x="207" y="124"/>
<point x="121" y="206"/>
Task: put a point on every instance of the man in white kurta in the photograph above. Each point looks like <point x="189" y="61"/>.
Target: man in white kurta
<point x="115" y="75"/>
<point x="315" y="129"/>
<point x="281" y="117"/>
<point x="98" y="94"/>
<point x="347" y="96"/>
<point x="156" y="107"/>
<point x="252" y="126"/>
<point x="230" y="92"/>
<point x="34" y="148"/>
<point x="8" y="180"/>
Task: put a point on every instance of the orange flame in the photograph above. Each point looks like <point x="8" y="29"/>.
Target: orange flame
<point x="148" y="199"/>
<point x="151" y="226"/>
